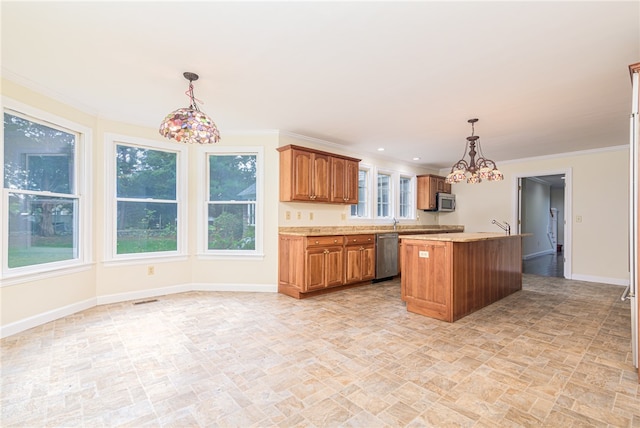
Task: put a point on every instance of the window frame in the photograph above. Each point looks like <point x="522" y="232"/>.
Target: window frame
<point x="411" y="205"/>
<point x="203" y="252"/>
<point x="111" y="200"/>
<point x="367" y="191"/>
<point x="82" y="183"/>
<point x="392" y="195"/>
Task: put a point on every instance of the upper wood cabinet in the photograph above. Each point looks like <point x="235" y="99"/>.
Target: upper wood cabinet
<point x="308" y="175"/>
<point x="428" y="188"/>
<point x="344" y="180"/>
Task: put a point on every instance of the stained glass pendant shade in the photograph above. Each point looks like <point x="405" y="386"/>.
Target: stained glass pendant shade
<point x="190" y="125"/>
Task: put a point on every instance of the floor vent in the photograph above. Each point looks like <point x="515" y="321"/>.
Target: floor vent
<point x="142" y="302"/>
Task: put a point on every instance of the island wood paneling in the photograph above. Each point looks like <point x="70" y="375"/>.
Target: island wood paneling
<point x="426" y="280"/>
<point x="449" y="280"/>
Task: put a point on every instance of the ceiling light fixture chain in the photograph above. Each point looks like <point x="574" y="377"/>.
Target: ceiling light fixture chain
<point x="190" y="125"/>
<point x="475" y="170"/>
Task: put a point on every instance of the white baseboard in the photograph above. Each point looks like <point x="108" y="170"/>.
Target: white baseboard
<point x="45" y="317"/>
<point x="600" y="279"/>
<point x="250" y="288"/>
<point x="538" y="254"/>
<point x="40" y="319"/>
<point x="143" y="294"/>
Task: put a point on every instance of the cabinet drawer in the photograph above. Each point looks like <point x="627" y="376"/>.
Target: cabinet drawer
<point x="320" y="241"/>
<point x="359" y="239"/>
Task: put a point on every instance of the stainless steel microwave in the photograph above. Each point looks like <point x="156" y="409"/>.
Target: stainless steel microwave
<point x="446" y="202"/>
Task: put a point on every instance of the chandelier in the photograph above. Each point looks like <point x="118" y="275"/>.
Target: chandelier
<point x="475" y="170"/>
<point x="190" y="125"/>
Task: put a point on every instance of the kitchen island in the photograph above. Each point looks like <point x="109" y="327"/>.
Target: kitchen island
<point x="449" y="276"/>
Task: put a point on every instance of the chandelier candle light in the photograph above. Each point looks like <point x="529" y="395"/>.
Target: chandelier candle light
<point x="190" y="125"/>
<point x="475" y="170"/>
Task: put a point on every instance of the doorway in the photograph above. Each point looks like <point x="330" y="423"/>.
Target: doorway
<point x="542" y="210"/>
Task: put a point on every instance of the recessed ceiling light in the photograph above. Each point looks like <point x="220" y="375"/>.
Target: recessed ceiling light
<point x="416" y="158"/>
<point x="381" y="149"/>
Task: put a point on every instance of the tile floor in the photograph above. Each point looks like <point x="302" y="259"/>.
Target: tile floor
<point x="556" y="354"/>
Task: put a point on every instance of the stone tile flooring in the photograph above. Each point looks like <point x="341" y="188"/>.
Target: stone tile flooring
<point x="556" y="354"/>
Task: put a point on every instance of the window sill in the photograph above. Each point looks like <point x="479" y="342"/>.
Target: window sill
<point x="233" y="256"/>
<point x="22" y="277"/>
<point x="156" y="258"/>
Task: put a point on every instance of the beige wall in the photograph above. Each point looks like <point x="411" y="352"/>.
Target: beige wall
<point x="598" y="192"/>
<point x="599" y="243"/>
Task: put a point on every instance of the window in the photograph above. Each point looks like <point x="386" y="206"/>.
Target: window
<point x="362" y="208"/>
<point x="146" y="200"/>
<point x="406" y="197"/>
<point x="384" y="195"/>
<point x="233" y="219"/>
<point x="44" y="212"/>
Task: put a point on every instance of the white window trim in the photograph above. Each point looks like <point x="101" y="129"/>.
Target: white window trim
<point x="392" y="194"/>
<point x="413" y="196"/>
<point x="203" y="173"/>
<point x="181" y="150"/>
<point x="368" y="205"/>
<point x="83" y="185"/>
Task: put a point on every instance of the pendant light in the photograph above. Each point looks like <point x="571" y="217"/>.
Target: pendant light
<point x="475" y="170"/>
<point x="190" y="125"/>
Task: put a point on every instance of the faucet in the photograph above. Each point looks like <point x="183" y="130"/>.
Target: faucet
<point x="506" y="226"/>
<point x="395" y="223"/>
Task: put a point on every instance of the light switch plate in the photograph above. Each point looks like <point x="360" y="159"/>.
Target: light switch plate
<point x="423" y="254"/>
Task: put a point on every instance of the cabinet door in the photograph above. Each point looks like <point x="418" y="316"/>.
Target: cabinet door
<point x="320" y="178"/>
<point x="344" y="181"/>
<point x="353" y="258"/>
<point x="428" y="188"/>
<point x="315" y="269"/>
<point x="351" y="182"/>
<point x="360" y="263"/>
<point x="368" y="262"/>
<point x="338" y="182"/>
<point x="334" y="266"/>
<point x="302" y="176"/>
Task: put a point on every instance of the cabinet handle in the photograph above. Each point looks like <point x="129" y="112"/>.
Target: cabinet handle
<point x="326" y="251"/>
<point x="361" y="248"/>
<point x="335" y="241"/>
<point x="316" y="242"/>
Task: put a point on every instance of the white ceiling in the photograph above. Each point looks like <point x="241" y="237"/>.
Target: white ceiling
<point x="542" y="77"/>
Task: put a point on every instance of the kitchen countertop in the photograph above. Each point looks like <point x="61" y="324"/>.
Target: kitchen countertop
<point x="460" y="237"/>
<point x="363" y="230"/>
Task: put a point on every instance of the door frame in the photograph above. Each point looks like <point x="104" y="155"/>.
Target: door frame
<point x="568" y="216"/>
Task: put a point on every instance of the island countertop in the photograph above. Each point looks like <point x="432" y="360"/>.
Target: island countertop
<point x="459" y="237"/>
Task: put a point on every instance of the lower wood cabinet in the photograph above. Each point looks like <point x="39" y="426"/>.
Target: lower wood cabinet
<point x="360" y="257"/>
<point x="309" y="265"/>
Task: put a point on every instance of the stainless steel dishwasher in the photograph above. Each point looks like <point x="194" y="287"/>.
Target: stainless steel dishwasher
<point x="386" y="255"/>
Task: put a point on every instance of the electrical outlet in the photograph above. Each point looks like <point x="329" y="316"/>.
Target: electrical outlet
<point x="287" y="215"/>
<point x="298" y="215"/>
<point x="151" y="270"/>
<point x="578" y="219"/>
<point x="310" y="216"/>
<point x="343" y="216"/>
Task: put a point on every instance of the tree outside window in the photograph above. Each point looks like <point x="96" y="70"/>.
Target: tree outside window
<point x="147" y="206"/>
<point x="231" y="205"/>
<point x="39" y="175"/>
